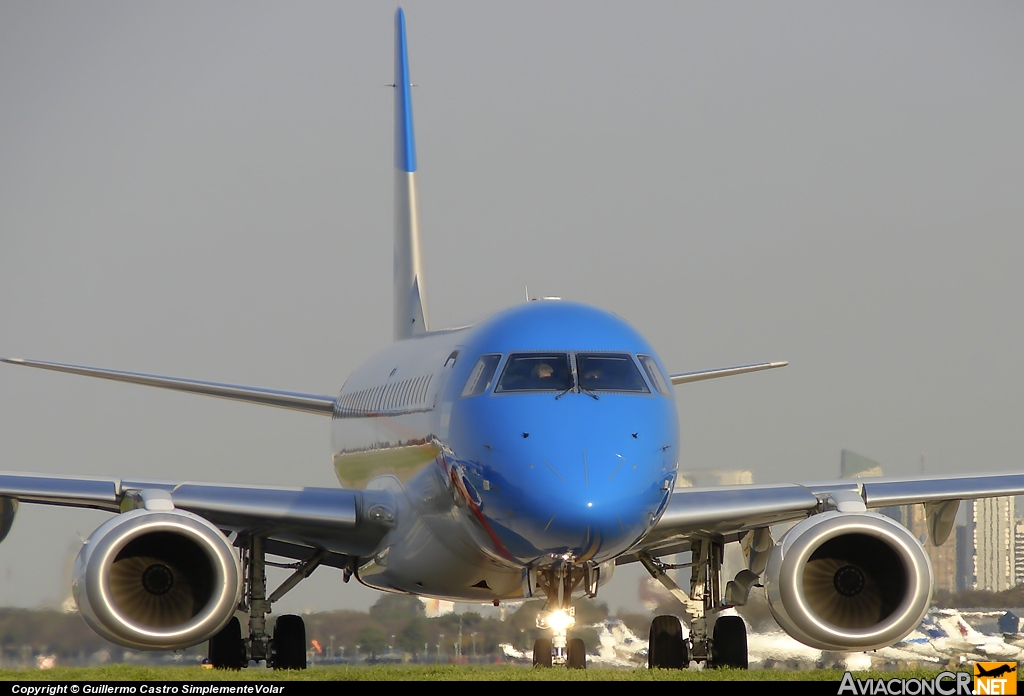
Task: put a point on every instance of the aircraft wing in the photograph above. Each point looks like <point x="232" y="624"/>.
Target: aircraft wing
<point x="296" y="521"/>
<point x="296" y="401"/>
<point x="729" y="512"/>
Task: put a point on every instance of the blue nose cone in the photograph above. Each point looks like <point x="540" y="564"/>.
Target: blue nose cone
<point x="573" y="477"/>
<point x="579" y="470"/>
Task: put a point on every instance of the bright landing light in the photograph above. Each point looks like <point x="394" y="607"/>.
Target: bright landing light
<point x="560" y="620"/>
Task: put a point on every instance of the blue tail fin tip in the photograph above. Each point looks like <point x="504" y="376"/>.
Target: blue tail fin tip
<point x="405" y="142"/>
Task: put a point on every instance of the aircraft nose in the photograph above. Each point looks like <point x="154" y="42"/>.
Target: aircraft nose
<point x="563" y="476"/>
<point x="588" y="502"/>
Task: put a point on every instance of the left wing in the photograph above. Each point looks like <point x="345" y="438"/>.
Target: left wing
<point x="842" y="578"/>
<point x="687" y="377"/>
<point x="722" y="512"/>
<point x="729" y="512"/>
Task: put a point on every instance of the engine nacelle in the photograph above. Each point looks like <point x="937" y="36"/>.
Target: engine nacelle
<point x="848" y="581"/>
<point x="162" y="580"/>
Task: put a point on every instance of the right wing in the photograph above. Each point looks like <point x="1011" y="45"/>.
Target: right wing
<point x="296" y="401"/>
<point x="296" y="521"/>
<point x="172" y="569"/>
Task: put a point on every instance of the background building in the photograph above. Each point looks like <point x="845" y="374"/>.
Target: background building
<point x="713" y="477"/>
<point x="991" y="528"/>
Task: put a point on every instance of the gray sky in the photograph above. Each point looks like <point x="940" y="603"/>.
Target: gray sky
<point x="204" y="190"/>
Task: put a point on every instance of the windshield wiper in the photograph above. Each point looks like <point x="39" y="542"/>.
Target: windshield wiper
<point x="571" y="387"/>
<point x="583" y="390"/>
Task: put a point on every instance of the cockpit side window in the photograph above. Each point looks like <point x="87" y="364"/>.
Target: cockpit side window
<point x="609" y="372"/>
<point x="654" y="374"/>
<point x="536" y="372"/>
<point x="481" y="376"/>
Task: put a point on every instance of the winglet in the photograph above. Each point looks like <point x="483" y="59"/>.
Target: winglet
<point x="410" y="311"/>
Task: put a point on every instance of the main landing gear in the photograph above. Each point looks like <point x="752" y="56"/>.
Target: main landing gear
<point x="727" y="644"/>
<point x="287" y="649"/>
<point x="558" y="615"/>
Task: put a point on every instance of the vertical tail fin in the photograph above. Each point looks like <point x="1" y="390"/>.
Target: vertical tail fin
<point x="410" y="306"/>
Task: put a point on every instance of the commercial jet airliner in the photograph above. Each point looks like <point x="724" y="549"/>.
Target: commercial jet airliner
<point x="525" y="456"/>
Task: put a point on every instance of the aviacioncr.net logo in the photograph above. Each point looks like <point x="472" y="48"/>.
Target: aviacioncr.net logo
<point x="995" y="677"/>
<point x="945" y="684"/>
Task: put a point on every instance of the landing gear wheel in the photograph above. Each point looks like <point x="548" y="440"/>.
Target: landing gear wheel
<point x="667" y="648"/>
<point x="729" y="643"/>
<point x="542" y="652"/>
<point x="290" y="643"/>
<point x="577" y="654"/>
<point x="227" y="651"/>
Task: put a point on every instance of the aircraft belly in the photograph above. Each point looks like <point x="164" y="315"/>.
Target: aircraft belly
<point x="438" y="546"/>
<point x="435" y="549"/>
<point x="419" y="562"/>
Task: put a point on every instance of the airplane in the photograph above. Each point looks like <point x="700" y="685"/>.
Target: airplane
<point x="996" y="671"/>
<point x="524" y="456"/>
<point x="945" y="632"/>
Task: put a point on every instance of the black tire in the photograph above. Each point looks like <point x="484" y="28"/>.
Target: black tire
<point x="542" y="652"/>
<point x="576" y="654"/>
<point x="226" y="649"/>
<point x="729" y="643"/>
<point x="667" y="648"/>
<point x="289" y="643"/>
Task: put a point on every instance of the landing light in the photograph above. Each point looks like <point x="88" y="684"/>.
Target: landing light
<point x="560" y="620"/>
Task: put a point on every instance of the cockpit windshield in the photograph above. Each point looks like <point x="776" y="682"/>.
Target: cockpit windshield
<point x="609" y="372"/>
<point x="481" y="375"/>
<point x="536" y="372"/>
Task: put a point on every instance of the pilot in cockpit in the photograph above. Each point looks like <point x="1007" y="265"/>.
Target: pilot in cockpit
<point x="543" y="371"/>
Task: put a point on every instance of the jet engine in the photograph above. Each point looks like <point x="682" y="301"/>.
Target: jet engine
<point x="152" y="580"/>
<point x="848" y="581"/>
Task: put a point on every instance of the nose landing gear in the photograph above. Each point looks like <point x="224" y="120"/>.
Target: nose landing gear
<point x="558" y="616"/>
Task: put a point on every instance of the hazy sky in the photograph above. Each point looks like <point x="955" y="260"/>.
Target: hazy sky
<point x="205" y="190"/>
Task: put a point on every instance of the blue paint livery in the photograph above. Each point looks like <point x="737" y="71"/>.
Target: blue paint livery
<point x="405" y="142"/>
<point x="574" y="475"/>
<point x="500" y="495"/>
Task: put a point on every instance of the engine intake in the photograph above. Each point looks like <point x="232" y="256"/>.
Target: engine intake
<point x="848" y="581"/>
<point x="157" y="580"/>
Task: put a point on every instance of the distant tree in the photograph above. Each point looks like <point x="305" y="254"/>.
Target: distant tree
<point x="413" y="636"/>
<point x="980" y="599"/>
<point x="392" y="607"/>
<point x="371" y="639"/>
<point x="525" y="618"/>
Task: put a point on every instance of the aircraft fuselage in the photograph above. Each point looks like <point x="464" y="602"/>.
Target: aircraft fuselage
<point x="546" y="433"/>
